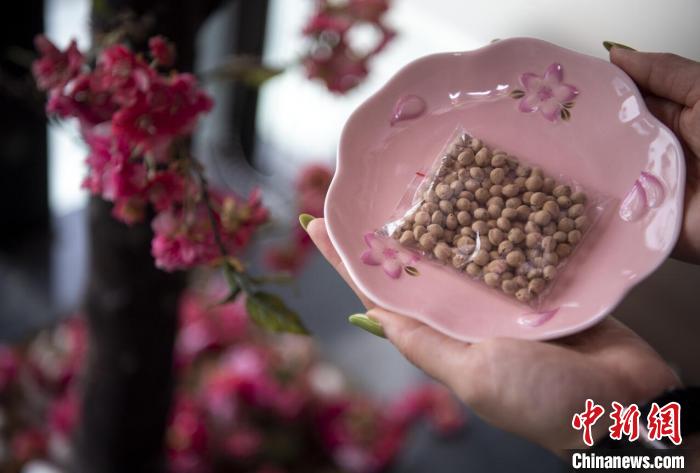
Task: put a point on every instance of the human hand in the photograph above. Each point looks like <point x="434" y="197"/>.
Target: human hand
<point x="671" y="88"/>
<point x="529" y="388"/>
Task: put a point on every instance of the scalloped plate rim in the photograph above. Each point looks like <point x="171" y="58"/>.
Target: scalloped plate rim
<point x="417" y="315"/>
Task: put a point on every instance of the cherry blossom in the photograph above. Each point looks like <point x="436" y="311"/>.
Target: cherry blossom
<point x="381" y="252"/>
<point x="546" y="93"/>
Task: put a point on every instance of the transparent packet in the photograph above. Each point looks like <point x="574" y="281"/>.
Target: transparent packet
<point x="496" y="219"/>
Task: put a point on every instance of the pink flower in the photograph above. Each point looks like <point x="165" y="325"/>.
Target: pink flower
<point x="55" y="67"/>
<point x="28" y="444"/>
<point x="547" y="93"/>
<point x="243" y="442"/>
<point x="166" y="189"/>
<point x="380" y="252"/>
<point x="63" y="414"/>
<point x="187" y="438"/>
<point x="162" y="51"/>
<point x="9" y="364"/>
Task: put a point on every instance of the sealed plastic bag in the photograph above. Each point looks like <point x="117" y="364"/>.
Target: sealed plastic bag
<point x="496" y="219"/>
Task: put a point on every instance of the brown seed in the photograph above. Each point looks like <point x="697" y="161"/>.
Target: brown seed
<point x="480" y="227"/>
<point x="445" y="206"/>
<point x="515" y="258"/>
<point x="474" y="270"/>
<point x="560" y="237"/>
<point x="534" y="183"/>
<point x="582" y="223"/>
<point x="443" y="191"/>
<point x="438" y="217"/>
<point x="549" y="184"/>
<point x="532" y="240"/>
<point x="534" y="273"/>
<point x="485" y="244"/>
<point x="549" y="272"/>
<point x="532" y="227"/>
<point x="563" y="250"/>
<point x="492" y="279"/>
<point x="442" y="251"/>
<point x="551" y="258"/>
<point x="548" y="244"/>
<point x="524" y="212"/>
<point x="496" y="236"/>
<point x="497" y="175"/>
<point x="481" y="214"/>
<point x="463" y="174"/>
<point x="472" y="184"/>
<point x="551" y="207"/>
<point x="466" y="157"/>
<point x="549" y="229"/>
<point x="407" y="238"/>
<point x="498" y="160"/>
<point x="510" y="190"/>
<point x="503" y="223"/>
<point x="537" y="171"/>
<point x="448" y="235"/>
<point x="482" y="195"/>
<point x="459" y="261"/>
<point x="435" y="230"/>
<point x="483" y="157"/>
<point x="451" y="222"/>
<point x="496" y="201"/>
<point x="561" y="189"/>
<point x="566" y="224"/>
<point x="523" y="295"/>
<point x="509" y="213"/>
<point x="578" y="197"/>
<point x="576" y="210"/>
<point x="427" y="242"/>
<point x="429" y="207"/>
<point x="462" y="203"/>
<point x="477" y="173"/>
<point x="538" y="199"/>
<point x="464" y="217"/>
<point x="514" y="202"/>
<point x="466" y="244"/>
<point x="564" y="202"/>
<point x="509" y="286"/>
<point x="522" y="171"/>
<point x="493" y="254"/>
<point x="516" y="235"/>
<point x="430" y="196"/>
<point x="574" y="237"/>
<point x="526" y="197"/>
<point x="421" y="218"/>
<point x="419" y="231"/>
<point x="457" y="187"/>
<point x="497" y="266"/>
<point x="494" y="210"/>
<point x="496" y="190"/>
<point x="467" y="231"/>
<point x="475" y="144"/>
<point x="542" y="217"/>
<point x="507" y="275"/>
<point x="505" y="247"/>
<point x="481" y="257"/>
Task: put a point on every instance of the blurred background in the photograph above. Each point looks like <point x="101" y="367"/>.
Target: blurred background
<point x="263" y="137"/>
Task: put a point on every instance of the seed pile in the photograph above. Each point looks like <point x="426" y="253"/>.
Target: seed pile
<point x="496" y="219"/>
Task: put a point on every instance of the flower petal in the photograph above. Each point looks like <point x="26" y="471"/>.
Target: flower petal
<point x="564" y="92"/>
<point x="530" y="81"/>
<point x="392" y="268"/>
<point x="371" y="257"/>
<point x="529" y="103"/>
<point x="553" y="74"/>
<point x="407" y="258"/>
<point x="550" y="109"/>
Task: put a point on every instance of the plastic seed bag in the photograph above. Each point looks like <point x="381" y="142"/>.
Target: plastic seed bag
<point x="496" y="219"/>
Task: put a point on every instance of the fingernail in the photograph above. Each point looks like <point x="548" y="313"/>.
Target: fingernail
<point x="610" y="44"/>
<point x="305" y="219"/>
<point x="367" y="324"/>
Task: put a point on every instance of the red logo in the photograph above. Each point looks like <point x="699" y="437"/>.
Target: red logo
<point x="586" y="419"/>
<point x="625" y="422"/>
<point x="665" y="422"/>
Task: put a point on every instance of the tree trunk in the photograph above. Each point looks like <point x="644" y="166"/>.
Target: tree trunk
<point x="131" y="306"/>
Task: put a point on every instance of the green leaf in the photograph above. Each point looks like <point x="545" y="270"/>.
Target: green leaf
<point x="244" y="69"/>
<point x="271" y="313"/>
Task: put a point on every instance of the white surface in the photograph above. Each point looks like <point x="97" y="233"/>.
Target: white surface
<point x="304" y="119"/>
<point x="66" y="19"/>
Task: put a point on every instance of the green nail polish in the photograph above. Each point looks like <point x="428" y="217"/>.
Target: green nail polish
<point x="305" y="219"/>
<point x="367" y="324"/>
<point x="610" y="44"/>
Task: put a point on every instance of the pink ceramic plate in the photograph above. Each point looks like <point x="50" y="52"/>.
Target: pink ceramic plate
<point x="572" y="114"/>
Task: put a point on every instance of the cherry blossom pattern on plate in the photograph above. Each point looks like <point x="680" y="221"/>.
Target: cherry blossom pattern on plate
<point x="383" y="252"/>
<point x="547" y="94"/>
<point x="646" y="193"/>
